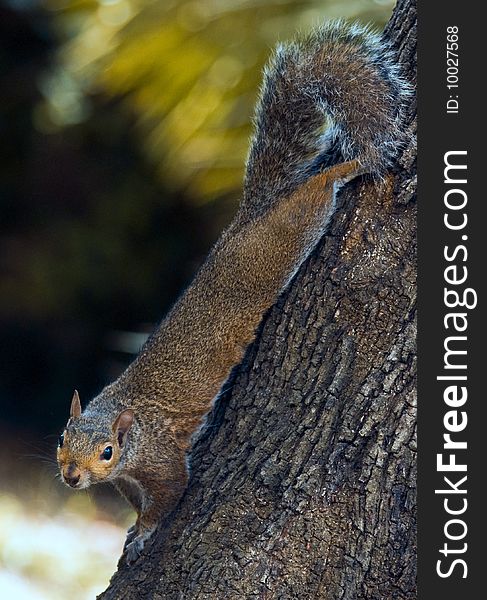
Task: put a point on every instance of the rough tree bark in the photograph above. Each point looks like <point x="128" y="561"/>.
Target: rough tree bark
<point x="303" y="483"/>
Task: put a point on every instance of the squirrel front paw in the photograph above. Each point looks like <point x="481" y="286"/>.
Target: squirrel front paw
<point x="131" y="533"/>
<point x="135" y="542"/>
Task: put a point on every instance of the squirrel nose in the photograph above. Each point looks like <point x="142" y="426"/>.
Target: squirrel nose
<point x="72" y="475"/>
<point x="72" y="481"/>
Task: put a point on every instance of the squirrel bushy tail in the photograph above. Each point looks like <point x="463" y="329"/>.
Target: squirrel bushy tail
<point x="333" y="95"/>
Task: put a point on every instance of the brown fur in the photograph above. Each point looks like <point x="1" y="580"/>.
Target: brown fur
<point x="151" y="412"/>
<point x="171" y="385"/>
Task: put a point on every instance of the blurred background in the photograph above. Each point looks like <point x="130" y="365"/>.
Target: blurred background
<point x="124" y="127"/>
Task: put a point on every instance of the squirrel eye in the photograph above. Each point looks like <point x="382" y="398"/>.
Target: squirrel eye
<point x="60" y="440"/>
<point x="107" y="453"/>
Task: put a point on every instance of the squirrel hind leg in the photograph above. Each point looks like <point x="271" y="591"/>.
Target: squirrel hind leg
<point x="323" y="186"/>
<point x="344" y="172"/>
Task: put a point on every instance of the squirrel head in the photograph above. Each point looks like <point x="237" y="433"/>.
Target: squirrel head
<point x="87" y="453"/>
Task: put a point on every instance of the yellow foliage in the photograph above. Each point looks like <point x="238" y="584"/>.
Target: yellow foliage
<point x="189" y="70"/>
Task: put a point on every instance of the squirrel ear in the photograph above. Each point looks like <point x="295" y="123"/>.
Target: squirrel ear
<point x="75" y="406"/>
<point x="122" y="424"/>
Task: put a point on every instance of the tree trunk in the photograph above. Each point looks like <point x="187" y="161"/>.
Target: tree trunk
<point x="303" y="482"/>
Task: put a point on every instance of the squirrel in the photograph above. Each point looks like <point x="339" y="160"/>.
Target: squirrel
<point x="330" y="109"/>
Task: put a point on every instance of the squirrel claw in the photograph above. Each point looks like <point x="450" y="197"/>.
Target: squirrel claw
<point x="131" y="533"/>
<point x="134" y="546"/>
